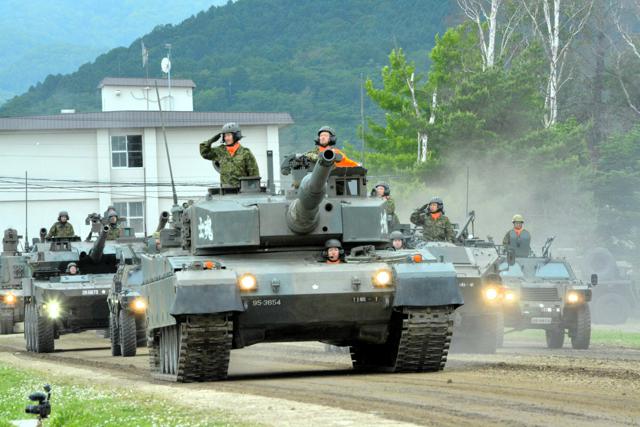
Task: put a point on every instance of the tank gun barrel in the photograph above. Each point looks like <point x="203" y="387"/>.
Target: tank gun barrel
<point x="302" y="214"/>
<point x="43" y="234"/>
<point x="164" y="218"/>
<point x="98" y="246"/>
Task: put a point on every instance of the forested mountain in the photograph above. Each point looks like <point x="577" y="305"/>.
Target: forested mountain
<point x="41" y="37"/>
<point x="305" y="57"/>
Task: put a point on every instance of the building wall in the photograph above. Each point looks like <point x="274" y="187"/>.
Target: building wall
<point x="131" y="98"/>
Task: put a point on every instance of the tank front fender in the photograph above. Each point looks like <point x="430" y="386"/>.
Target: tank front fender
<point x="206" y="298"/>
<point x="426" y="285"/>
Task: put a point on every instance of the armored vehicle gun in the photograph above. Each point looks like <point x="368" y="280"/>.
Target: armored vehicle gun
<point x="13" y="267"/>
<point x="479" y="323"/>
<point x="67" y="290"/>
<point x="246" y="269"/>
<point x="544" y="293"/>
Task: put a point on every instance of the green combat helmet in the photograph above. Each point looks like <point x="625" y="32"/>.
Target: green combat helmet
<point x="231" y="127"/>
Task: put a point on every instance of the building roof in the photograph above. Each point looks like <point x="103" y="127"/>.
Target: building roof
<point x="127" y="81"/>
<point x="139" y="119"/>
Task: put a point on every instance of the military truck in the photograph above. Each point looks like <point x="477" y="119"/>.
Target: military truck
<point x="544" y="293"/>
<point x="479" y="323"/>
<point x="247" y="270"/>
<point x="127" y="322"/>
<point x="67" y="291"/>
<point x="13" y="267"/>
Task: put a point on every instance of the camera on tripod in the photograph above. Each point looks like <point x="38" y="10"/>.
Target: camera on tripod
<point x="43" y="408"/>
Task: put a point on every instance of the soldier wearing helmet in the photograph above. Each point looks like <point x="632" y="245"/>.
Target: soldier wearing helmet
<point x="397" y="240"/>
<point x="114" y="226"/>
<point x="383" y="191"/>
<point x="231" y="160"/>
<point x="518" y="239"/>
<point x="333" y="252"/>
<point x="326" y="139"/>
<point x="62" y="228"/>
<point x="436" y="225"/>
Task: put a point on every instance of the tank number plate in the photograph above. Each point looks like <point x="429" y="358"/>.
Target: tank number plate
<point x="266" y="302"/>
<point x="361" y="300"/>
<point x="90" y="292"/>
<point x="541" y="320"/>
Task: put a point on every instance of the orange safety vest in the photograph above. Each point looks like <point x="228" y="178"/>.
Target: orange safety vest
<point x="345" y="162"/>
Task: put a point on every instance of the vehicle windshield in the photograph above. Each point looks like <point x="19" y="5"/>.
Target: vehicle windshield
<point x="553" y="270"/>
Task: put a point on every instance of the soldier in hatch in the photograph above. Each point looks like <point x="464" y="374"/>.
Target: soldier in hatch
<point x="518" y="239"/>
<point x="397" y="240"/>
<point x="436" y="226"/>
<point x="333" y="252"/>
<point x="383" y="191"/>
<point x="114" y="226"/>
<point x="327" y="139"/>
<point x="62" y="228"/>
<point x="231" y="159"/>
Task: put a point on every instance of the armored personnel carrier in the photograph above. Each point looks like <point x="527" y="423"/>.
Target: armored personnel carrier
<point x="544" y="293"/>
<point x="479" y="323"/>
<point x="67" y="291"/>
<point x="248" y="271"/>
<point x="13" y="267"/>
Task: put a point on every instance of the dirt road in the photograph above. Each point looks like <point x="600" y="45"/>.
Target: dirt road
<point x="524" y="384"/>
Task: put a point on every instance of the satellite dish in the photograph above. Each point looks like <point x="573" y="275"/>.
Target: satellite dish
<point x="165" y="65"/>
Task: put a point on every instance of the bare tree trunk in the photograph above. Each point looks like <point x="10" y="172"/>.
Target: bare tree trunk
<point x="423" y="137"/>
<point x="626" y="35"/>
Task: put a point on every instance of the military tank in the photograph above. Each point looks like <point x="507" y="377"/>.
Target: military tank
<point x="245" y="269"/>
<point x="67" y="289"/>
<point x="543" y="292"/>
<point x="13" y="267"/>
<point x="478" y="325"/>
<point x="127" y="323"/>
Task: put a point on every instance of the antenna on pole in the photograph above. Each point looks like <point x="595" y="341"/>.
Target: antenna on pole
<point x="166" y="147"/>
<point x="364" y="151"/>
<point x="467" y="205"/>
<point x="26" y="213"/>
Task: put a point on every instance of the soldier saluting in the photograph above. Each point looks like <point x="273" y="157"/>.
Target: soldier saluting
<point x="436" y="226"/>
<point x="232" y="160"/>
<point x="62" y="228"/>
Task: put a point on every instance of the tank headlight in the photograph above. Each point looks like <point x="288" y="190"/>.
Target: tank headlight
<point x="53" y="309"/>
<point x="10" y="299"/>
<point x="491" y="294"/>
<point x="510" y="296"/>
<point x="248" y="282"/>
<point x="139" y="305"/>
<point x="573" y="297"/>
<point x="382" y="278"/>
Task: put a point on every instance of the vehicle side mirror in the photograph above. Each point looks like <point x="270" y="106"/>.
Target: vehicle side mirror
<point x="511" y="256"/>
<point x="594" y="279"/>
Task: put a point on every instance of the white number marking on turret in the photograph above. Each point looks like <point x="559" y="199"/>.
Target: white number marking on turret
<point x="205" y="230"/>
<point x="384" y="226"/>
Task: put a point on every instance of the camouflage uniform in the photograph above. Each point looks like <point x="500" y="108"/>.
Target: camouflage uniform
<point x="231" y="168"/>
<point x="61" y="229"/>
<point x="114" y="232"/>
<point x="434" y="230"/>
<point x="390" y="209"/>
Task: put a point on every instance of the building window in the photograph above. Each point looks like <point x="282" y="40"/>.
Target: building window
<point x="134" y="212"/>
<point x="126" y="151"/>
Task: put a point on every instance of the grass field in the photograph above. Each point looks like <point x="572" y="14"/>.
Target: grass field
<point x="599" y="336"/>
<point x="79" y="405"/>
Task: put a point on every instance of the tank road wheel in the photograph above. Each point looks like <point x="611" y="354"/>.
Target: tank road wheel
<point x="555" y="337"/>
<point x="419" y="341"/>
<point x="581" y="334"/>
<point x="6" y="322"/>
<point x="113" y="335"/>
<point x="197" y="349"/>
<point x="127" y="333"/>
<point x="611" y="309"/>
<point x="44" y="333"/>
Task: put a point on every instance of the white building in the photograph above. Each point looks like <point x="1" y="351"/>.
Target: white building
<point x="85" y="162"/>
<point x="126" y="94"/>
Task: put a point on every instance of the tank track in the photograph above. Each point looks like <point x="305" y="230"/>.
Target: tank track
<point x="425" y="339"/>
<point x="204" y="347"/>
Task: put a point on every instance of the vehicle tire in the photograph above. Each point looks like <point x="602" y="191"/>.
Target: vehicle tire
<point x="44" y="333"/>
<point x="489" y="334"/>
<point x="114" y="337"/>
<point x="141" y="331"/>
<point x="28" y="327"/>
<point x="127" y="332"/>
<point x="581" y="335"/>
<point x="555" y="337"/>
<point x="611" y="309"/>
<point x="6" y="322"/>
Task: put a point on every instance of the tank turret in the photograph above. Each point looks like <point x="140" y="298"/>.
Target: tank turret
<point x="162" y="222"/>
<point x="98" y="246"/>
<point x="302" y="214"/>
<point x="10" y="242"/>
